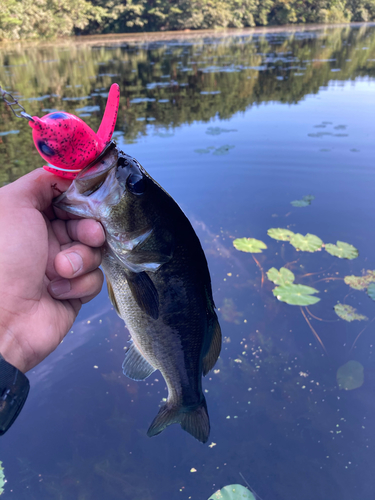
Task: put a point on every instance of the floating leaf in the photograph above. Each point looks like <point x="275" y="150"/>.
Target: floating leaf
<point x="296" y="295"/>
<point x="360" y="282"/>
<point x="233" y="492"/>
<point x="306" y="200"/>
<point x="250" y="245"/>
<point x="350" y="376"/>
<point x="342" y="250"/>
<point x="282" y="277"/>
<point x="371" y="291"/>
<point x="348" y="313"/>
<point x="300" y="203"/>
<point x="308" y="243"/>
<point x="280" y="234"/>
<point x="2" y="478"/>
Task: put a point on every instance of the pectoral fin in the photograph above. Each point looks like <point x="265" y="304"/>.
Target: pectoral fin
<point x="213" y="352"/>
<point x="144" y="292"/>
<point x="112" y="298"/>
<point x="135" y="366"/>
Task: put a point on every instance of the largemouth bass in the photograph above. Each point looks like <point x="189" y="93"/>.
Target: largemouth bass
<point x="158" y="282"/>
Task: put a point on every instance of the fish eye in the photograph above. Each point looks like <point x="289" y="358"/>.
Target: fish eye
<point x="46" y="150"/>
<point x="135" y="183"/>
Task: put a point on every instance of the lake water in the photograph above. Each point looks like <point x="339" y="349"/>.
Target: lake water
<point x="235" y="127"/>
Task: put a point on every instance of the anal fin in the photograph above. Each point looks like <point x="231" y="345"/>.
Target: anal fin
<point x="135" y="366"/>
<point x="214" y="350"/>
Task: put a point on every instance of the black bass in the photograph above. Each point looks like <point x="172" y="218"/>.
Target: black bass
<point x="158" y="282"/>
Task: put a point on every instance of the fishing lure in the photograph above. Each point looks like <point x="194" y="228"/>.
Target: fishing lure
<point x="66" y="141"/>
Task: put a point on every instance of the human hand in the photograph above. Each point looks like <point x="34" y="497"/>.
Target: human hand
<point x="48" y="268"/>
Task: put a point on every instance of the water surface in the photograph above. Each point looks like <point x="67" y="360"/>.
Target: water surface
<point x="234" y="128"/>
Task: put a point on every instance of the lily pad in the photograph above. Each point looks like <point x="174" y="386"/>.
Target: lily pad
<point x="282" y="277"/>
<point x="250" y="245"/>
<point x="300" y="203"/>
<point x="360" y="282"/>
<point x="342" y="250"/>
<point x="308" y="243"/>
<point x="348" y="313"/>
<point x="280" y="234"/>
<point x="306" y="200"/>
<point x="296" y="295"/>
<point x="350" y="376"/>
<point x="371" y="291"/>
<point x="3" y="480"/>
<point x="233" y="492"/>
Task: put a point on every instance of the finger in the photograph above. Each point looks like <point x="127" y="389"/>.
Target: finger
<point x="77" y="260"/>
<point x="87" y="231"/>
<point x="61" y="231"/>
<point x="36" y="189"/>
<point x="84" y="287"/>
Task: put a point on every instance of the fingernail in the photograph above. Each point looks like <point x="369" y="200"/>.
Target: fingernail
<point x="60" y="286"/>
<point x="75" y="260"/>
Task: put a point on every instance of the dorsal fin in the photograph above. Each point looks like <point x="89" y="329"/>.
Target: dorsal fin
<point x="213" y="352"/>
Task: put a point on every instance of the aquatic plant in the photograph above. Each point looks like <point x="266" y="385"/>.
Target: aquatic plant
<point x="280" y="234"/>
<point x="296" y="295"/>
<point x="233" y="492"/>
<point x="308" y="243"/>
<point x="342" y="250"/>
<point x="360" y="282"/>
<point x="350" y="376"/>
<point x="348" y="313"/>
<point x="304" y="202"/>
<point x="2" y="478"/>
<point x="250" y="245"/>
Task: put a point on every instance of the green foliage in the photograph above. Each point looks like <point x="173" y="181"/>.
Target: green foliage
<point x="308" y="243"/>
<point x="348" y="313"/>
<point x="360" y="282"/>
<point x="233" y="492"/>
<point x="306" y="200"/>
<point x="350" y="376"/>
<point x="282" y="277"/>
<point x="342" y="250"/>
<point x="250" y="245"/>
<point x="296" y="295"/>
<point x="280" y="234"/>
<point x="46" y="18"/>
<point x="2" y="478"/>
<point x="371" y="291"/>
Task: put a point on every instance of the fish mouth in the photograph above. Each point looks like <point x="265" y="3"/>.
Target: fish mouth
<point x="92" y="186"/>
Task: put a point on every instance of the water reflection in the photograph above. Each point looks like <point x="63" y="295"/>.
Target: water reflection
<point x="234" y="161"/>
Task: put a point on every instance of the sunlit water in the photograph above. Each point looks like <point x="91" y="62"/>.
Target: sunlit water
<point x="234" y="128"/>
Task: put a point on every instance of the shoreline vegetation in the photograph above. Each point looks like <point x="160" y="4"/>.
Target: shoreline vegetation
<point x="46" y="19"/>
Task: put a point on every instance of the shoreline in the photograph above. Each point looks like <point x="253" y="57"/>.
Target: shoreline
<point x="118" y="39"/>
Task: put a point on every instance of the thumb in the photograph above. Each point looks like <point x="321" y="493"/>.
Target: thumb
<point x="36" y="189"/>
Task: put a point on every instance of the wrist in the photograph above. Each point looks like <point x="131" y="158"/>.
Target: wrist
<point x="10" y="348"/>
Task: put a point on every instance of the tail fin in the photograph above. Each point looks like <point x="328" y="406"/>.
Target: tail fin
<point x="196" y="422"/>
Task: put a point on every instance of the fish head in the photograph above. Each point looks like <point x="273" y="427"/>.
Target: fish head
<point x="65" y="141"/>
<point x="113" y="190"/>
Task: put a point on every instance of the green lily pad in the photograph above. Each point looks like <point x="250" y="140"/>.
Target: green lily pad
<point x="282" y="277"/>
<point x="308" y="243"/>
<point x="306" y="200"/>
<point x="348" y="313"/>
<point x="233" y="492"/>
<point x="250" y="245"/>
<point x="342" y="250"/>
<point x="296" y="295"/>
<point x="360" y="282"/>
<point x="300" y="203"/>
<point x="371" y="291"/>
<point x="2" y="478"/>
<point x="350" y="376"/>
<point x="280" y="234"/>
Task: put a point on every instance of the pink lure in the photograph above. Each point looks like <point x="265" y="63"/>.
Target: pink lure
<point x="68" y="143"/>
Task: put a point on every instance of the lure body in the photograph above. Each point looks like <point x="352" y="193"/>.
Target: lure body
<point x="68" y="143"/>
